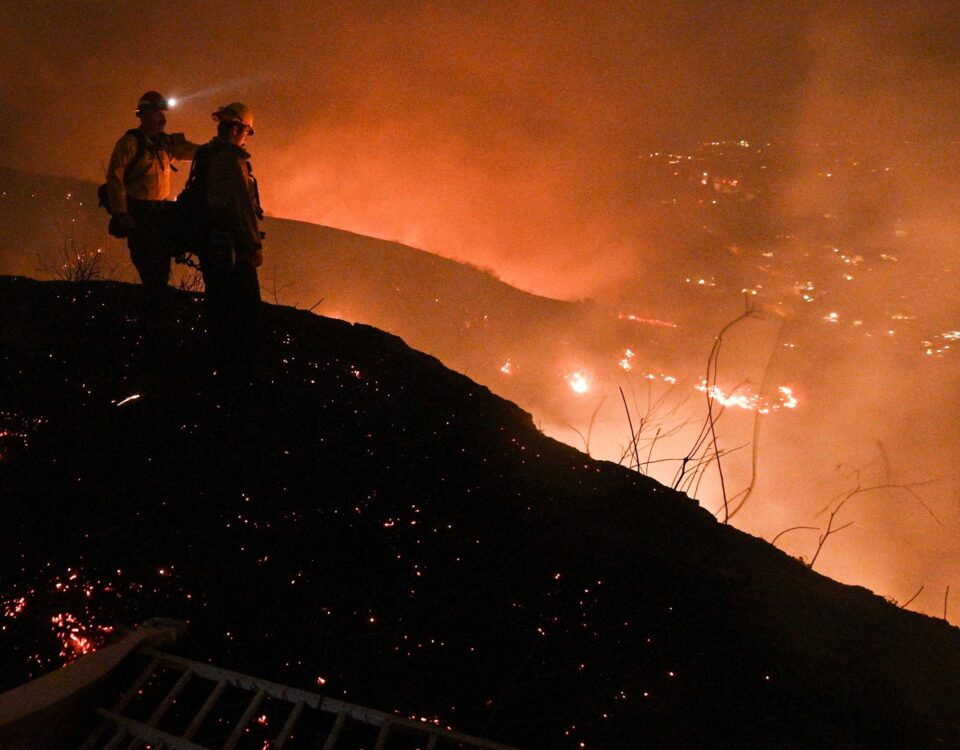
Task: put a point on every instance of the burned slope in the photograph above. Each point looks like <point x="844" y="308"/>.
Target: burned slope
<point x="363" y="521"/>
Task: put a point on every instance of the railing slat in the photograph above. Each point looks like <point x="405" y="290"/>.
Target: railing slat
<point x="281" y="741"/>
<point x="335" y="732"/>
<point x="245" y="720"/>
<point x="204" y="710"/>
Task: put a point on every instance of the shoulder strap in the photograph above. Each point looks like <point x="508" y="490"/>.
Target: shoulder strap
<point x="198" y="167"/>
<point x="141" y="147"/>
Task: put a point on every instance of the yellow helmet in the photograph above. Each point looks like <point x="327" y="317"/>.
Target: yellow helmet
<point x="152" y="100"/>
<point x="237" y="112"/>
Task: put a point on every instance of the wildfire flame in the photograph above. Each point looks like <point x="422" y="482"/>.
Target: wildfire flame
<point x="578" y="382"/>
<point x="742" y="399"/>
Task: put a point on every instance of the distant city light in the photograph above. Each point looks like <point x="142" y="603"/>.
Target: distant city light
<point x="578" y="382"/>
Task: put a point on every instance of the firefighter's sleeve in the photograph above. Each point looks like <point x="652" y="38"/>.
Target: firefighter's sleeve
<point x="180" y="148"/>
<point x="123" y="154"/>
<point x="230" y="203"/>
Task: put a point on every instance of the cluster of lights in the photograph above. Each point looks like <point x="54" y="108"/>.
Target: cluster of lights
<point x="941" y="345"/>
<point x="806" y="290"/>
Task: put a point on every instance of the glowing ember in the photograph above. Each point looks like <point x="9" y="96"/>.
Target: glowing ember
<point x="648" y="321"/>
<point x="507" y="368"/>
<point x="75" y="639"/>
<point x="14" y="608"/>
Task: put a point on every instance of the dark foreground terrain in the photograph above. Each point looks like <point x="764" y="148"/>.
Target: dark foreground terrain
<point x="362" y="521"/>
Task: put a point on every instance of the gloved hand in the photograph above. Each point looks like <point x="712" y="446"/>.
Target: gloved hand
<point x="121" y="225"/>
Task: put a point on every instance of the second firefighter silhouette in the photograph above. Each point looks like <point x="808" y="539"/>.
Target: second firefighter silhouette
<point x="230" y="241"/>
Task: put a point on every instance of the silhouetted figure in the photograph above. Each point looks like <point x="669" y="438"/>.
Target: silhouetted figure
<point x="138" y="184"/>
<point x="232" y="242"/>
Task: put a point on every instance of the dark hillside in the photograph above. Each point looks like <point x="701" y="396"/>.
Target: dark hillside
<point x="365" y="520"/>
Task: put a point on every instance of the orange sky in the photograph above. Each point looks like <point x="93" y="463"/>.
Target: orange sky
<point x="492" y="133"/>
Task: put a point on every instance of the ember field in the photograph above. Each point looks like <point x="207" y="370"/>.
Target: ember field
<point x="365" y="522"/>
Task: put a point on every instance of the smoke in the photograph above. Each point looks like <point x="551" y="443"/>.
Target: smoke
<point x="883" y="88"/>
<point x="508" y="137"/>
<point x="500" y="135"/>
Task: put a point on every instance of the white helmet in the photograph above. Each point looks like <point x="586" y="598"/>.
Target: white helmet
<point x="237" y="112"/>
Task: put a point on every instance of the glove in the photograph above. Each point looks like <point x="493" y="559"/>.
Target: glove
<point x="121" y="225"/>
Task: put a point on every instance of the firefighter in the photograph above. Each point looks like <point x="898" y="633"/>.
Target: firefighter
<point x="138" y="184"/>
<point x="233" y="242"/>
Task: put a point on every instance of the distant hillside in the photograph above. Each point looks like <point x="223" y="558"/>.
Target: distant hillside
<point x="464" y="315"/>
<point x="364" y="520"/>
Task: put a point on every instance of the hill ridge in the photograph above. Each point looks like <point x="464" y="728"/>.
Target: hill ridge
<point x="364" y="511"/>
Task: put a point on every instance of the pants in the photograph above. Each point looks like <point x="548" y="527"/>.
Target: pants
<point x="151" y="259"/>
<point x="232" y="311"/>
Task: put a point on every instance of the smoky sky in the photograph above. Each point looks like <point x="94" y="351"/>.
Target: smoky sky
<point x="495" y="133"/>
<point x="489" y="132"/>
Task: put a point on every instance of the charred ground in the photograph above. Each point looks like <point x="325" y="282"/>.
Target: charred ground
<point x="363" y="515"/>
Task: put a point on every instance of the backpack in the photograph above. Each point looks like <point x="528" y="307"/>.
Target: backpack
<point x="188" y="224"/>
<point x="103" y="195"/>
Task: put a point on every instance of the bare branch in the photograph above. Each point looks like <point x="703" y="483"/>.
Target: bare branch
<point x="793" y="528"/>
<point x="908" y="601"/>
<point x="828" y="533"/>
<point x="633" y="434"/>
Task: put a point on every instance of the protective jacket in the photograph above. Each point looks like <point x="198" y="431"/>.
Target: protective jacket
<point x="232" y="198"/>
<point x="149" y="178"/>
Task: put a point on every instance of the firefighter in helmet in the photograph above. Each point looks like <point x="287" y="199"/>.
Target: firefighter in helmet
<point x="138" y="184"/>
<point x="233" y="244"/>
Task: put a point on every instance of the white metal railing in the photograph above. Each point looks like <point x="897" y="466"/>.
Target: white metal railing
<point x="119" y="730"/>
